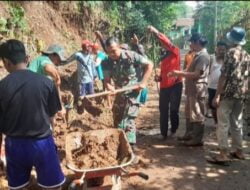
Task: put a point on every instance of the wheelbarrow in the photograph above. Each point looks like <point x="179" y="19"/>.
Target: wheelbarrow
<point x="84" y="175"/>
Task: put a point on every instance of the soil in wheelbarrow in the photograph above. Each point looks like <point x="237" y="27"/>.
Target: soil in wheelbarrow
<point x="96" y="154"/>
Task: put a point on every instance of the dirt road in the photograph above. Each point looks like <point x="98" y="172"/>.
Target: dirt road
<point x="174" y="167"/>
<point x="169" y="165"/>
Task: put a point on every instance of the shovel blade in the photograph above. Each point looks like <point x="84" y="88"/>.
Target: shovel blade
<point x="90" y="108"/>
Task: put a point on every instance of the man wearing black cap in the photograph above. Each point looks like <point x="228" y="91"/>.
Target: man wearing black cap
<point x="196" y="88"/>
<point x="230" y="95"/>
<point x="28" y="103"/>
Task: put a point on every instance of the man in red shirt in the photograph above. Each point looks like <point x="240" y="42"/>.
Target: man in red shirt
<point x="170" y="88"/>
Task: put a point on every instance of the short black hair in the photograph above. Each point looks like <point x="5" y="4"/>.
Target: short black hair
<point x="221" y="43"/>
<point x="111" y="40"/>
<point x="199" y="38"/>
<point x="13" y="50"/>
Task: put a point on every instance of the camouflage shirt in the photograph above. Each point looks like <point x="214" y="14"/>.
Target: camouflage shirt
<point x="236" y="70"/>
<point x="123" y="71"/>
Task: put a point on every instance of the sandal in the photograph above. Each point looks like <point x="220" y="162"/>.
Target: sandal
<point x="237" y="156"/>
<point x="215" y="160"/>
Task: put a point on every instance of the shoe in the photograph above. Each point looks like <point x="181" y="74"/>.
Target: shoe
<point x="172" y="135"/>
<point x="192" y="143"/>
<point x="164" y="138"/>
<point x="184" y="138"/>
<point x="238" y="155"/>
<point x="218" y="161"/>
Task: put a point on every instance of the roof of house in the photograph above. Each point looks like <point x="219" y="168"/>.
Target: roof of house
<point x="184" y="22"/>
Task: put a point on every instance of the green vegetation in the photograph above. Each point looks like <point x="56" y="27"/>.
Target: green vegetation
<point x="229" y="14"/>
<point x="16" y="24"/>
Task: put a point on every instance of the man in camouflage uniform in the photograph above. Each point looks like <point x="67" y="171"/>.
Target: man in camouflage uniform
<point x="230" y="95"/>
<point x="121" y="68"/>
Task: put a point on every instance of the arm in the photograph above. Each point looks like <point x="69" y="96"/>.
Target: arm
<point x="190" y="75"/>
<point x="69" y="60"/>
<point x="108" y="85"/>
<point x="220" y="88"/>
<point x="54" y="103"/>
<point x="51" y="70"/>
<point x="200" y="68"/>
<point x="185" y="62"/>
<point x="136" y="46"/>
<point x="93" y="68"/>
<point x="164" y="40"/>
<point x="139" y="59"/>
<point x="221" y="84"/>
<point x="98" y="61"/>
<point x="100" y="37"/>
<point x="147" y="73"/>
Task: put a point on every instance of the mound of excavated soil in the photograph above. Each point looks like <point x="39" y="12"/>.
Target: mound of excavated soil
<point x="93" y="154"/>
<point x="97" y="149"/>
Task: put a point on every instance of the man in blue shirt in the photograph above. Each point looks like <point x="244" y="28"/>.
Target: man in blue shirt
<point x="86" y="72"/>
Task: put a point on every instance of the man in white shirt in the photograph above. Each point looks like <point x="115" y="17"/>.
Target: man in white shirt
<point x="214" y="74"/>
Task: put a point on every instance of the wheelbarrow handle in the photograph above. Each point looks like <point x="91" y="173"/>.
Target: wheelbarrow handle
<point x="143" y="175"/>
<point x="140" y="174"/>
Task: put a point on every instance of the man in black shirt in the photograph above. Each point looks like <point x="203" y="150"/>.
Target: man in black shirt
<point x="28" y="103"/>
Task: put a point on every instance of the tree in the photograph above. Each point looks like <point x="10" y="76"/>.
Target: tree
<point x="229" y="14"/>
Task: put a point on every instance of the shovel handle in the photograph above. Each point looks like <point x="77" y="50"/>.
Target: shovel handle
<point x="110" y="92"/>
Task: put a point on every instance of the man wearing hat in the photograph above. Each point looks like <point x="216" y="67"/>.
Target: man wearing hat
<point x="46" y="63"/>
<point x="230" y="95"/>
<point x="196" y="88"/>
<point x="86" y="72"/>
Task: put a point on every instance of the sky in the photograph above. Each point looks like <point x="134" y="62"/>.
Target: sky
<point x="191" y="3"/>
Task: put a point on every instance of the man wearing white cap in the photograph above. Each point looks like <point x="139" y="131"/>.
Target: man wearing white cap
<point x="230" y="96"/>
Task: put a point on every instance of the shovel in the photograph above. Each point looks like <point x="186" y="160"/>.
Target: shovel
<point x="87" y="104"/>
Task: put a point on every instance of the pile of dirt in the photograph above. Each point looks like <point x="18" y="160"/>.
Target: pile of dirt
<point x="93" y="154"/>
<point x="97" y="149"/>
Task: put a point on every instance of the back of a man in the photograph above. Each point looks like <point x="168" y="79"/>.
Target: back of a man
<point x="28" y="102"/>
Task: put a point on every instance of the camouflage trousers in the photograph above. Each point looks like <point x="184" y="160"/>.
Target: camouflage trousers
<point x="125" y="110"/>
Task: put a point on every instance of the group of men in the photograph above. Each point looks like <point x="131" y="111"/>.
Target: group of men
<point x="29" y="99"/>
<point x="223" y="76"/>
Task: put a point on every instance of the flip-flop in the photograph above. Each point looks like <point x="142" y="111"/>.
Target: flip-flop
<point x="214" y="160"/>
<point x="234" y="155"/>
